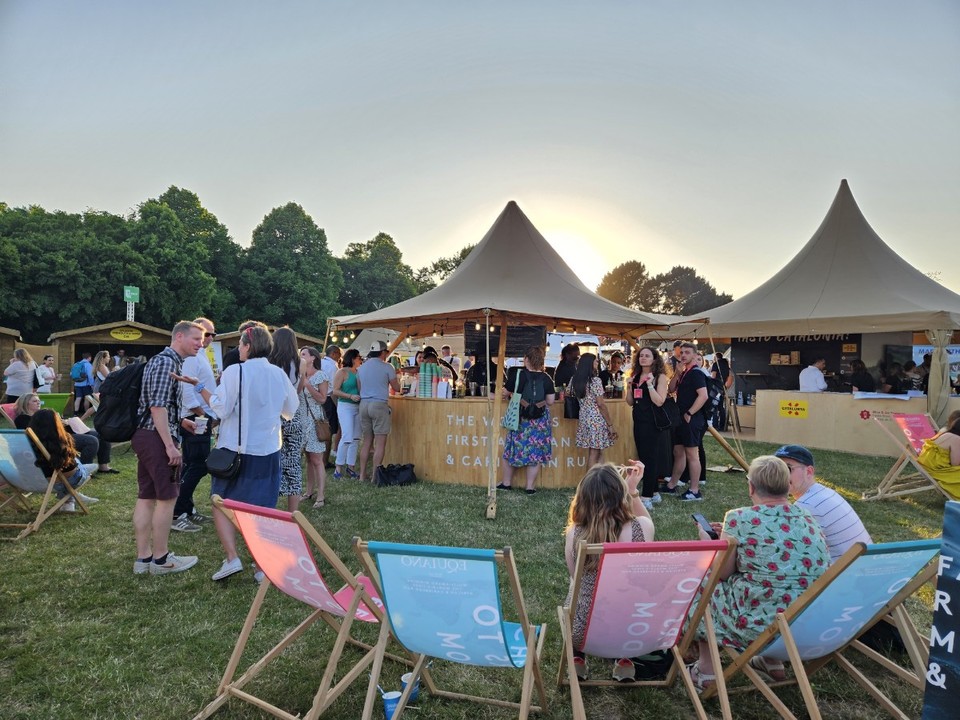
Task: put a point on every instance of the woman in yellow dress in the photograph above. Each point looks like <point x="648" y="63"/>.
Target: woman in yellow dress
<point x="941" y="456"/>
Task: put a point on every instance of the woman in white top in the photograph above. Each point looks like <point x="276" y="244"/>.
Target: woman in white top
<point x="265" y="397"/>
<point x="19" y="375"/>
<point x="101" y="368"/>
<point x="47" y="375"/>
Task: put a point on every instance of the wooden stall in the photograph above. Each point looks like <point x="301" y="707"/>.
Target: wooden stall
<point x="8" y="343"/>
<point x="230" y="340"/>
<point x="832" y="421"/>
<point x="135" y="338"/>
<point x="448" y="440"/>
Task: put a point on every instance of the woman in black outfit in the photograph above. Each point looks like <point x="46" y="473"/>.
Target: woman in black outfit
<point x="648" y="388"/>
<point x="860" y="379"/>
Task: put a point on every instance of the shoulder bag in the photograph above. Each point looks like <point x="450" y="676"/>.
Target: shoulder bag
<point x="666" y="416"/>
<point x="320" y="424"/>
<point x="571" y="403"/>
<point x="511" y="418"/>
<point x="224" y="463"/>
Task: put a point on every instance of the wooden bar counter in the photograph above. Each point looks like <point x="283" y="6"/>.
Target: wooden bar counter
<point x="448" y="441"/>
<point x="832" y="421"/>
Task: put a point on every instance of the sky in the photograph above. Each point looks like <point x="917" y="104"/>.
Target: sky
<point x="697" y="133"/>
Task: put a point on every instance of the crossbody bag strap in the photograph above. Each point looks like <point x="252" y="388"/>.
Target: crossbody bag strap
<point x="240" y="413"/>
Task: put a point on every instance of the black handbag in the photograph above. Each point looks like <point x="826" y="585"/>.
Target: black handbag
<point x="666" y="416"/>
<point x="571" y="403"/>
<point x="390" y="475"/>
<point x="223" y="463"/>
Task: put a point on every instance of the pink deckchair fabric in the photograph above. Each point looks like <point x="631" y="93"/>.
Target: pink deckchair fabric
<point x="643" y="594"/>
<point x="282" y="552"/>
<point x="916" y="428"/>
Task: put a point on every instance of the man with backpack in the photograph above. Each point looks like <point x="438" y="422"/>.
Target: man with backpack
<point x="156" y="442"/>
<point x="82" y="375"/>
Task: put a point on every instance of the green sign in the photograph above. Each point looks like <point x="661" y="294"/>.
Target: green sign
<point x="131" y="294"/>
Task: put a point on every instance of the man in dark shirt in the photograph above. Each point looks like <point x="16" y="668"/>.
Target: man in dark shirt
<point x="569" y="357"/>
<point x="720" y="370"/>
<point x="691" y="387"/>
<point x="232" y="357"/>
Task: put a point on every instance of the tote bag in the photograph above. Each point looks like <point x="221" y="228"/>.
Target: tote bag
<point x="571" y="403"/>
<point x="511" y="418"/>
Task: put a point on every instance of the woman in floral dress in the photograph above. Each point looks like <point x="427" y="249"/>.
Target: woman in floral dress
<point x="595" y="431"/>
<point x="531" y="444"/>
<point x="780" y="552"/>
<point x="314" y="387"/>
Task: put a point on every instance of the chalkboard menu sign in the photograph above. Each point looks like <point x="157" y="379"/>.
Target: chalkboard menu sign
<point x="519" y="338"/>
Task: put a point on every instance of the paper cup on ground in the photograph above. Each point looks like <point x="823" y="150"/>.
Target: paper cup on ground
<point x="404" y="680"/>
<point x="390" y="702"/>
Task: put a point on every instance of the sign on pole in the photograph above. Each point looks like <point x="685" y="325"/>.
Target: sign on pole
<point x="131" y="296"/>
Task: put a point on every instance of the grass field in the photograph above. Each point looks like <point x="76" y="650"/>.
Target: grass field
<point x="81" y="637"/>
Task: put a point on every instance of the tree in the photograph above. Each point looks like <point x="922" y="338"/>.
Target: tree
<point x="223" y="259"/>
<point x="682" y="292"/>
<point x="627" y="284"/>
<point x="289" y="275"/>
<point x="374" y="275"/>
<point x="429" y="276"/>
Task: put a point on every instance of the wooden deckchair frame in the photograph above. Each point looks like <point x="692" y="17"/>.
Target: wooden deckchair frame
<point x="891" y="611"/>
<point x="327" y="692"/>
<point x="534" y="637"/>
<point x="566" y="674"/>
<point x="895" y="483"/>
<point x="21" y="498"/>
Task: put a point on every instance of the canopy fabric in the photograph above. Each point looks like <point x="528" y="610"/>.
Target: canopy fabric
<point x="520" y="278"/>
<point x="844" y="280"/>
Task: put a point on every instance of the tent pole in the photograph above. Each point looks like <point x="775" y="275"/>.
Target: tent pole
<point x="494" y="425"/>
<point x="736" y="454"/>
<point x="326" y="335"/>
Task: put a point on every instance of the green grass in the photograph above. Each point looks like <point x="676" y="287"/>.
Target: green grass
<point x="82" y="637"/>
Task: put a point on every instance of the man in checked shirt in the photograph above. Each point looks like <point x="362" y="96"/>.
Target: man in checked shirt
<point x="157" y="445"/>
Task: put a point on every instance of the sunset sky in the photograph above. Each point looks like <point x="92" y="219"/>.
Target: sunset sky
<point x="697" y="133"/>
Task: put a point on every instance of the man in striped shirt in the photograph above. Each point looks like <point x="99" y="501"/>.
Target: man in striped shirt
<point x="840" y="523"/>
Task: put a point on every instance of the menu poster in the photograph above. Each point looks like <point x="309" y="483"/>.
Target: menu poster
<point x="943" y="669"/>
<point x="519" y="338"/>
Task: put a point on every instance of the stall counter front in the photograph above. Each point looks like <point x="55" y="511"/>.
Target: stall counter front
<point x="448" y="440"/>
<point x="832" y="421"/>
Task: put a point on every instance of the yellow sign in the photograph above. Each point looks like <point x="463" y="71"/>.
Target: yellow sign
<point x="794" y="409"/>
<point x="126" y="334"/>
<point x="849" y="347"/>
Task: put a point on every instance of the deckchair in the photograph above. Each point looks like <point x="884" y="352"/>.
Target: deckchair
<point x="7" y="414"/>
<point x="280" y="543"/>
<point x="23" y="478"/>
<point x="444" y="603"/>
<point x="912" y="430"/>
<point x="864" y="586"/>
<point x="640" y="603"/>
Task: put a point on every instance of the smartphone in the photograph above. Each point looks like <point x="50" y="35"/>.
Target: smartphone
<point x="707" y="528"/>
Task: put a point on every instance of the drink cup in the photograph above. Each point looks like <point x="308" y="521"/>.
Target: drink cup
<point x="201" y="423"/>
<point x="473" y="389"/>
<point x="405" y="680"/>
<point x="390" y="702"/>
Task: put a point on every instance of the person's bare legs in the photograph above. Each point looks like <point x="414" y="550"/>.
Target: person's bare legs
<point x="693" y="463"/>
<point x="226" y="533"/>
<point x="293" y="502"/>
<point x="379" y="450"/>
<point x="365" y="454"/>
<point x="142" y="524"/>
<point x="161" y="520"/>
<point x="679" y="464"/>
<point x="532" y="472"/>
<point x="506" y="472"/>
<point x="594" y="456"/>
<point x="315" y="467"/>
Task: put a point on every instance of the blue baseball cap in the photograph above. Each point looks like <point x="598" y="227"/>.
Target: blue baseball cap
<point x="795" y="452"/>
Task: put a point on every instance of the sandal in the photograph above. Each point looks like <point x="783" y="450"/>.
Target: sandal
<point x="701" y="681"/>
<point x="319" y="504"/>
<point x="501" y="486"/>
<point x="580" y="667"/>
<point x="351" y="473"/>
<point x="769" y="670"/>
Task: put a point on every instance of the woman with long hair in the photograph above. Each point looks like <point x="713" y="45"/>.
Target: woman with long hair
<point x="87" y="441"/>
<point x="606" y="508"/>
<point x="646" y="395"/>
<point x="48" y="428"/>
<point x="531" y="444"/>
<point x="346" y="392"/>
<point x="19" y="375"/>
<point x="595" y="432"/>
<point x="941" y="456"/>
<point x="315" y="386"/>
<point x="252" y="398"/>
<point x="101" y="368"/>
<point x="286" y="356"/>
<point x="47" y="375"/>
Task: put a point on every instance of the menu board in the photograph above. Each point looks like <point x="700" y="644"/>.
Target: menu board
<point x="519" y="338"/>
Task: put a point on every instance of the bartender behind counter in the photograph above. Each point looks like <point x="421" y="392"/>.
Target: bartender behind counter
<point x="811" y="377"/>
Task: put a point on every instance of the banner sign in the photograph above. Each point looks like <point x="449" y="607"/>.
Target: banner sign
<point x="794" y="409"/>
<point x="943" y="669"/>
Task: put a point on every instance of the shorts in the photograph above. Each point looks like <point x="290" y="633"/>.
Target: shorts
<point x="330" y="411"/>
<point x="690" y="434"/>
<point x="375" y="417"/>
<point x="156" y="478"/>
<point x="82" y="391"/>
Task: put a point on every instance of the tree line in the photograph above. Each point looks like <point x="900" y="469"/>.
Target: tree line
<point x="66" y="270"/>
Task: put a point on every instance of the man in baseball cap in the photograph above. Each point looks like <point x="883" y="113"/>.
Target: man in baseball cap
<point x="840" y="523"/>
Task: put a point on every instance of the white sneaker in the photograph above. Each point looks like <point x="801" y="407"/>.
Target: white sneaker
<point x="656" y="498"/>
<point x="648" y="504"/>
<point x="174" y="564"/>
<point x="229" y="567"/>
<point x="70" y="506"/>
<point x="141" y="568"/>
<point x="91" y="468"/>
<point x="183" y="525"/>
<point x="87" y="500"/>
<point x="258" y="577"/>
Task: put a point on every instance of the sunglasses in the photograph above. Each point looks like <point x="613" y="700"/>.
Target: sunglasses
<point x="210" y="335"/>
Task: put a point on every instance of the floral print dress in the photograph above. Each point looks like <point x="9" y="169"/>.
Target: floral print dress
<point x="781" y="551"/>
<point x="592" y="430"/>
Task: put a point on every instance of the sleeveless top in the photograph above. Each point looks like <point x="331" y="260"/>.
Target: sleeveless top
<point x="643" y="405"/>
<point x="350" y="387"/>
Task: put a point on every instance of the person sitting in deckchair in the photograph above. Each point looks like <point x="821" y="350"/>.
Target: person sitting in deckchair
<point x="781" y="550"/>
<point x="606" y="508"/>
<point x="941" y="456"/>
<point x="49" y="430"/>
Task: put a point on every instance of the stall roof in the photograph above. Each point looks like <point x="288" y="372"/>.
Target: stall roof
<point x="9" y="331"/>
<point x="844" y="280"/>
<point x="302" y="339"/>
<point x="108" y="326"/>
<point x="517" y="275"/>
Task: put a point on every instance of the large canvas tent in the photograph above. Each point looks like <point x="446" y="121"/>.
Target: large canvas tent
<point x="846" y="279"/>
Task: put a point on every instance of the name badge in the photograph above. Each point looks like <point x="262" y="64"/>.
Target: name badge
<point x="637" y="393"/>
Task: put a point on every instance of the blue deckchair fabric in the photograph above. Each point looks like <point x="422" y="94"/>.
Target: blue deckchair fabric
<point x="18" y="462"/>
<point x="839" y="613"/>
<point x="445" y="603"/>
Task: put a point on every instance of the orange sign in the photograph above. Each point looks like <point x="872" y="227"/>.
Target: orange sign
<point x="794" y="409"/>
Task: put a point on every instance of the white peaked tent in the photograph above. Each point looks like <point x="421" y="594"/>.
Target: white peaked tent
<point x="847" y="280"/>
<point x="516" y="275"/>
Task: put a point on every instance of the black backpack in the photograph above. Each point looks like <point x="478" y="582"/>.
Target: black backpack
<point x="118" y="416"/>
<point x="715" y="393"/>
<point x="533" y="392"/>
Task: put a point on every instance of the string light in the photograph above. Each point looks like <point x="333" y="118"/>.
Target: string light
<point x="477" y="326"/>
<point x="588" y="328"/>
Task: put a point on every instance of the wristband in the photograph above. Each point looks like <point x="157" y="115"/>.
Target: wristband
<point x="635" y="494"/>
<point x="199" y="387"/>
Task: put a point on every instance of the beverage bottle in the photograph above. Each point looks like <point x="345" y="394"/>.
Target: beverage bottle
<point x="740" y="397"/>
